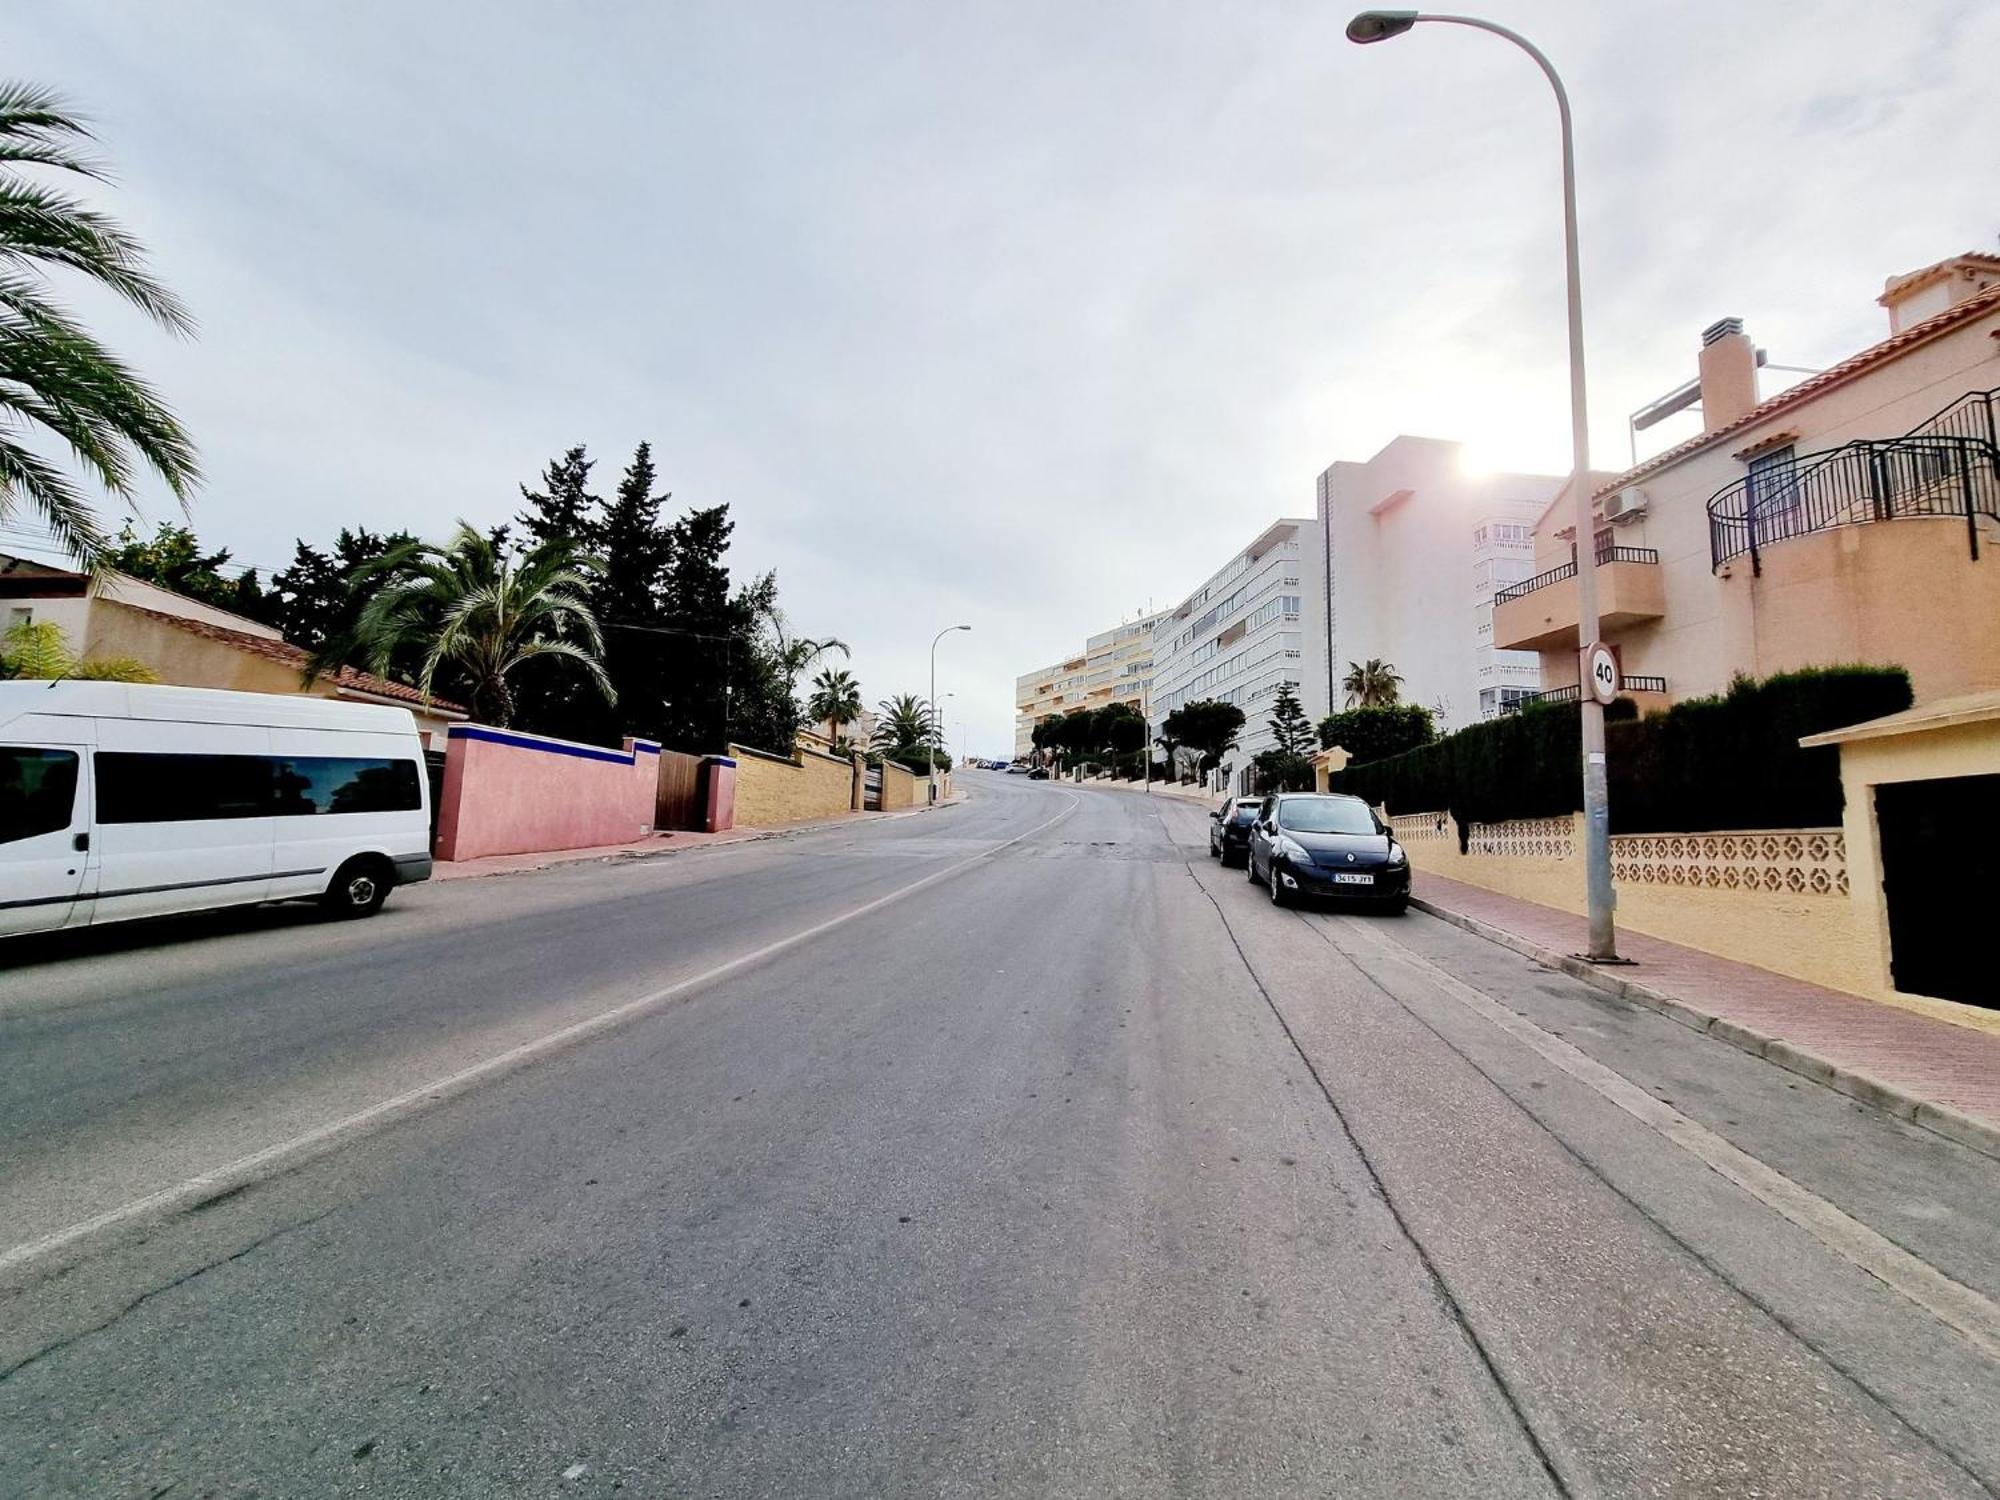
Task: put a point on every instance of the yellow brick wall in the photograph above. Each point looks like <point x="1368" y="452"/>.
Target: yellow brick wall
<point x="1824" y="939"/>
<point x="899" y="788"/>
<point x="771" y="791"/>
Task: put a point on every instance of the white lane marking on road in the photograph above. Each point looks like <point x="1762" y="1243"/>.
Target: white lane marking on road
<point x="275" y="1158"/>
<point x="1972" y="1314"/>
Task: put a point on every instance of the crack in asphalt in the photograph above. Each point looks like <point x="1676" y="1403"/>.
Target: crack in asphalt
<point x="1833" y="1362"/>
<point x="1435" y="1277"/>
<point x="56" y="1347"/>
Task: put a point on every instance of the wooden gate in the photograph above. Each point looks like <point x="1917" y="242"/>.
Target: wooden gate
<point x="680" y="800"/>
<point x="871" y="789"/>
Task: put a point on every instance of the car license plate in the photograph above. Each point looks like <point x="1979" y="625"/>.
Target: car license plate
<point x="1343" y="878"/>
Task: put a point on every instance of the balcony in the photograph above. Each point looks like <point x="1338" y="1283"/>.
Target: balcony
<point x="1648" y="694"/>
<point x="1539" y="614"/>
<point x="1942" y="474"/>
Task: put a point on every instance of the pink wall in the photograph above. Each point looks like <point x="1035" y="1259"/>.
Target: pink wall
<point x="511" y="793"/>
<point x="720" y="815"/>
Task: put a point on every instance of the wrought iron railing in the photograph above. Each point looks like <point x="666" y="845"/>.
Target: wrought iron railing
<point x="1871" y="479"/>
<point x="1607" y="552"/>
<point x="1574" y="692"/>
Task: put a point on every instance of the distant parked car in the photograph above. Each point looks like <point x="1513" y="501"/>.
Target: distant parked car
<point x="1229" y="829"/>
<point x="1040" y="773"/>
<point x="1017" y="769"/>
<point x="1323" y="844"/>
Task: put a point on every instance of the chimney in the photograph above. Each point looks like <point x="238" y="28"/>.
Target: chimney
<point x="1728" y="366"/>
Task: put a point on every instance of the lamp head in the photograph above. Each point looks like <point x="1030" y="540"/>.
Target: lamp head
<point x="1380" y="25"/>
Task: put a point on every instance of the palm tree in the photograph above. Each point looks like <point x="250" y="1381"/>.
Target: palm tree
<point x="477" y="613"/>
<point x="38" y="649"/>
<point x="836" y="699"/>
<point x="791" y="655"/>
<point x="54" y="376"/>
<point x="1372" y="684"/>
<point x="905" y="724"/>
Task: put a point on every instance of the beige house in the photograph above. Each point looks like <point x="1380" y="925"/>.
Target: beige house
<point x="188" y="643"/>
<point x="1852" y="518"/>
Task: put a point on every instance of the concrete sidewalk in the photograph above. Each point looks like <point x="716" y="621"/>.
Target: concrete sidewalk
<point x="658" y="844"/>
<point x="1942" y="1076"/>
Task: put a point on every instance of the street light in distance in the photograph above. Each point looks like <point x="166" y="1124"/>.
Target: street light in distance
<point x="930" y="740"/>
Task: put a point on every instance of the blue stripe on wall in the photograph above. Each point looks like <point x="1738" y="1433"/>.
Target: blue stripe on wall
<point x="528" y="742"/>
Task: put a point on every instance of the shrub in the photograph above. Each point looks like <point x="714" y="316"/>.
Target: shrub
<point x="1279" y="772"/>
<point x="1708" y="763"/>
<point x="912" y="758"/>
<point x="1368" y="734"/>
<point x="1734" y="761"/>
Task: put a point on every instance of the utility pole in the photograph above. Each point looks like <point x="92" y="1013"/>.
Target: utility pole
<point x="1380" y="26"/>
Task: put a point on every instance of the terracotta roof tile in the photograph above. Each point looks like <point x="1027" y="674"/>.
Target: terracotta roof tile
<point x="285" y="653"/>
<point x="1916" y="278"/>
<point x="1813" y="385"/>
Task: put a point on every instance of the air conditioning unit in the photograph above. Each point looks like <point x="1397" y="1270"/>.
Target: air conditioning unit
<point x="1627" y="503"/>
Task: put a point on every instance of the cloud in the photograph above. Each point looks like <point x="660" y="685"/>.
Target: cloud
<point x="1023" y="315"/>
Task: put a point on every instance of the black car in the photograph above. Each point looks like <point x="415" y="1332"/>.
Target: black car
<point x="1327" y="845"/>
<point x="1229" y="829"/>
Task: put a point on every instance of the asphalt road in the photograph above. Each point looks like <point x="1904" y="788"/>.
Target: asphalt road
<point x="1008" y="1149"/>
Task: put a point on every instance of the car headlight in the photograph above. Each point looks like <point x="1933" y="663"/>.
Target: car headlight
<point x="1293" y="850"/>
<point x="1396" y="855"/>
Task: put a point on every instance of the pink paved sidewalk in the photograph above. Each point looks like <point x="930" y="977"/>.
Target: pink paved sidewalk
<point x="1917" y="1067"/>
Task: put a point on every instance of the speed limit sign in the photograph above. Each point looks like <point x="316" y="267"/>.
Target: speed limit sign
<point x="1600" y="672"/>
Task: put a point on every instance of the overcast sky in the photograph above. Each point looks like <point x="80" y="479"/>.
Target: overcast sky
<point x="1023" y="314"/>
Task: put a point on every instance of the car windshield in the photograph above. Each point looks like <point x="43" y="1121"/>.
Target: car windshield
<point x="1326" y="815"/>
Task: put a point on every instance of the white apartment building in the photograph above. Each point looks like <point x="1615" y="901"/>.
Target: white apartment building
<point x="1503" y="553"/>
<point x="1413" y="548"/>
<point x="1254" y="624"/>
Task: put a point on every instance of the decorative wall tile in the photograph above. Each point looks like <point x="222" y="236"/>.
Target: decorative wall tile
<point x="1805" y="861"/>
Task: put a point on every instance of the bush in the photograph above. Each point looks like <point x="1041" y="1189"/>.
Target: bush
<point x="1368" y="734"/>
<point x="914" y="760"/>
<point x="1279" y="772"/>
<point x="1706" y="764"/>
<point x="1735" y="762"/>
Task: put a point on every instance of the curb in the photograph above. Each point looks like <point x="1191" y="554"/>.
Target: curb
<point x="1940" y="1119"/>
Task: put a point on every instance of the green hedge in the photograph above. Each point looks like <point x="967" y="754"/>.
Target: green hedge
<point x="1709" y="763"/>
<point x="1369" y="734"/>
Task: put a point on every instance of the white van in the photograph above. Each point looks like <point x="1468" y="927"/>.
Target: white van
<point x="119" y="800"/>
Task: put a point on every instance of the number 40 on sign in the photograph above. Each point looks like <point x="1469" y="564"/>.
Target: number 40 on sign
<point x="1600" y="672"/>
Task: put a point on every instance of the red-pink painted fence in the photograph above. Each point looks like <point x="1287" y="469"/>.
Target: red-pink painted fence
<point x="511" y="793"/>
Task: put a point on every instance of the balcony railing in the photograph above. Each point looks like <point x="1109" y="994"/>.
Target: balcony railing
<point x="1927" y="474"/>
<point x="1608" y="552"/>
<point x="1574" y="692"/>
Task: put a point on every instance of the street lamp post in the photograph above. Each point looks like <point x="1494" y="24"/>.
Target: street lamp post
<point x="1379" y="26"/>
<point x="930" y="740"/>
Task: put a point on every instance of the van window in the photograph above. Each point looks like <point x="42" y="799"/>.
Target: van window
<point x="341" y="784"/>
<point x="37" y="791"/>
<point x="140" y="787"/>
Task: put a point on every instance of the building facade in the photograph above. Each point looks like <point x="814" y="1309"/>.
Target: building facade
<point x="1116" y="666"/>
<point x="190" y="644"/>
<point x="1248" y="628"/>
<point x="1414" y="548"/>
<point x="1852" y="518"/>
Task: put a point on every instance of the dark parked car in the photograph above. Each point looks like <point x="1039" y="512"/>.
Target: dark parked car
<point x="1038" y="774"/>
<point x="1229" y="829"/>
<point x="1327" y="845"/>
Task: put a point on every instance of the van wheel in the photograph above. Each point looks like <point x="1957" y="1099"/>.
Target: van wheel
<point x="359" y="887"/>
